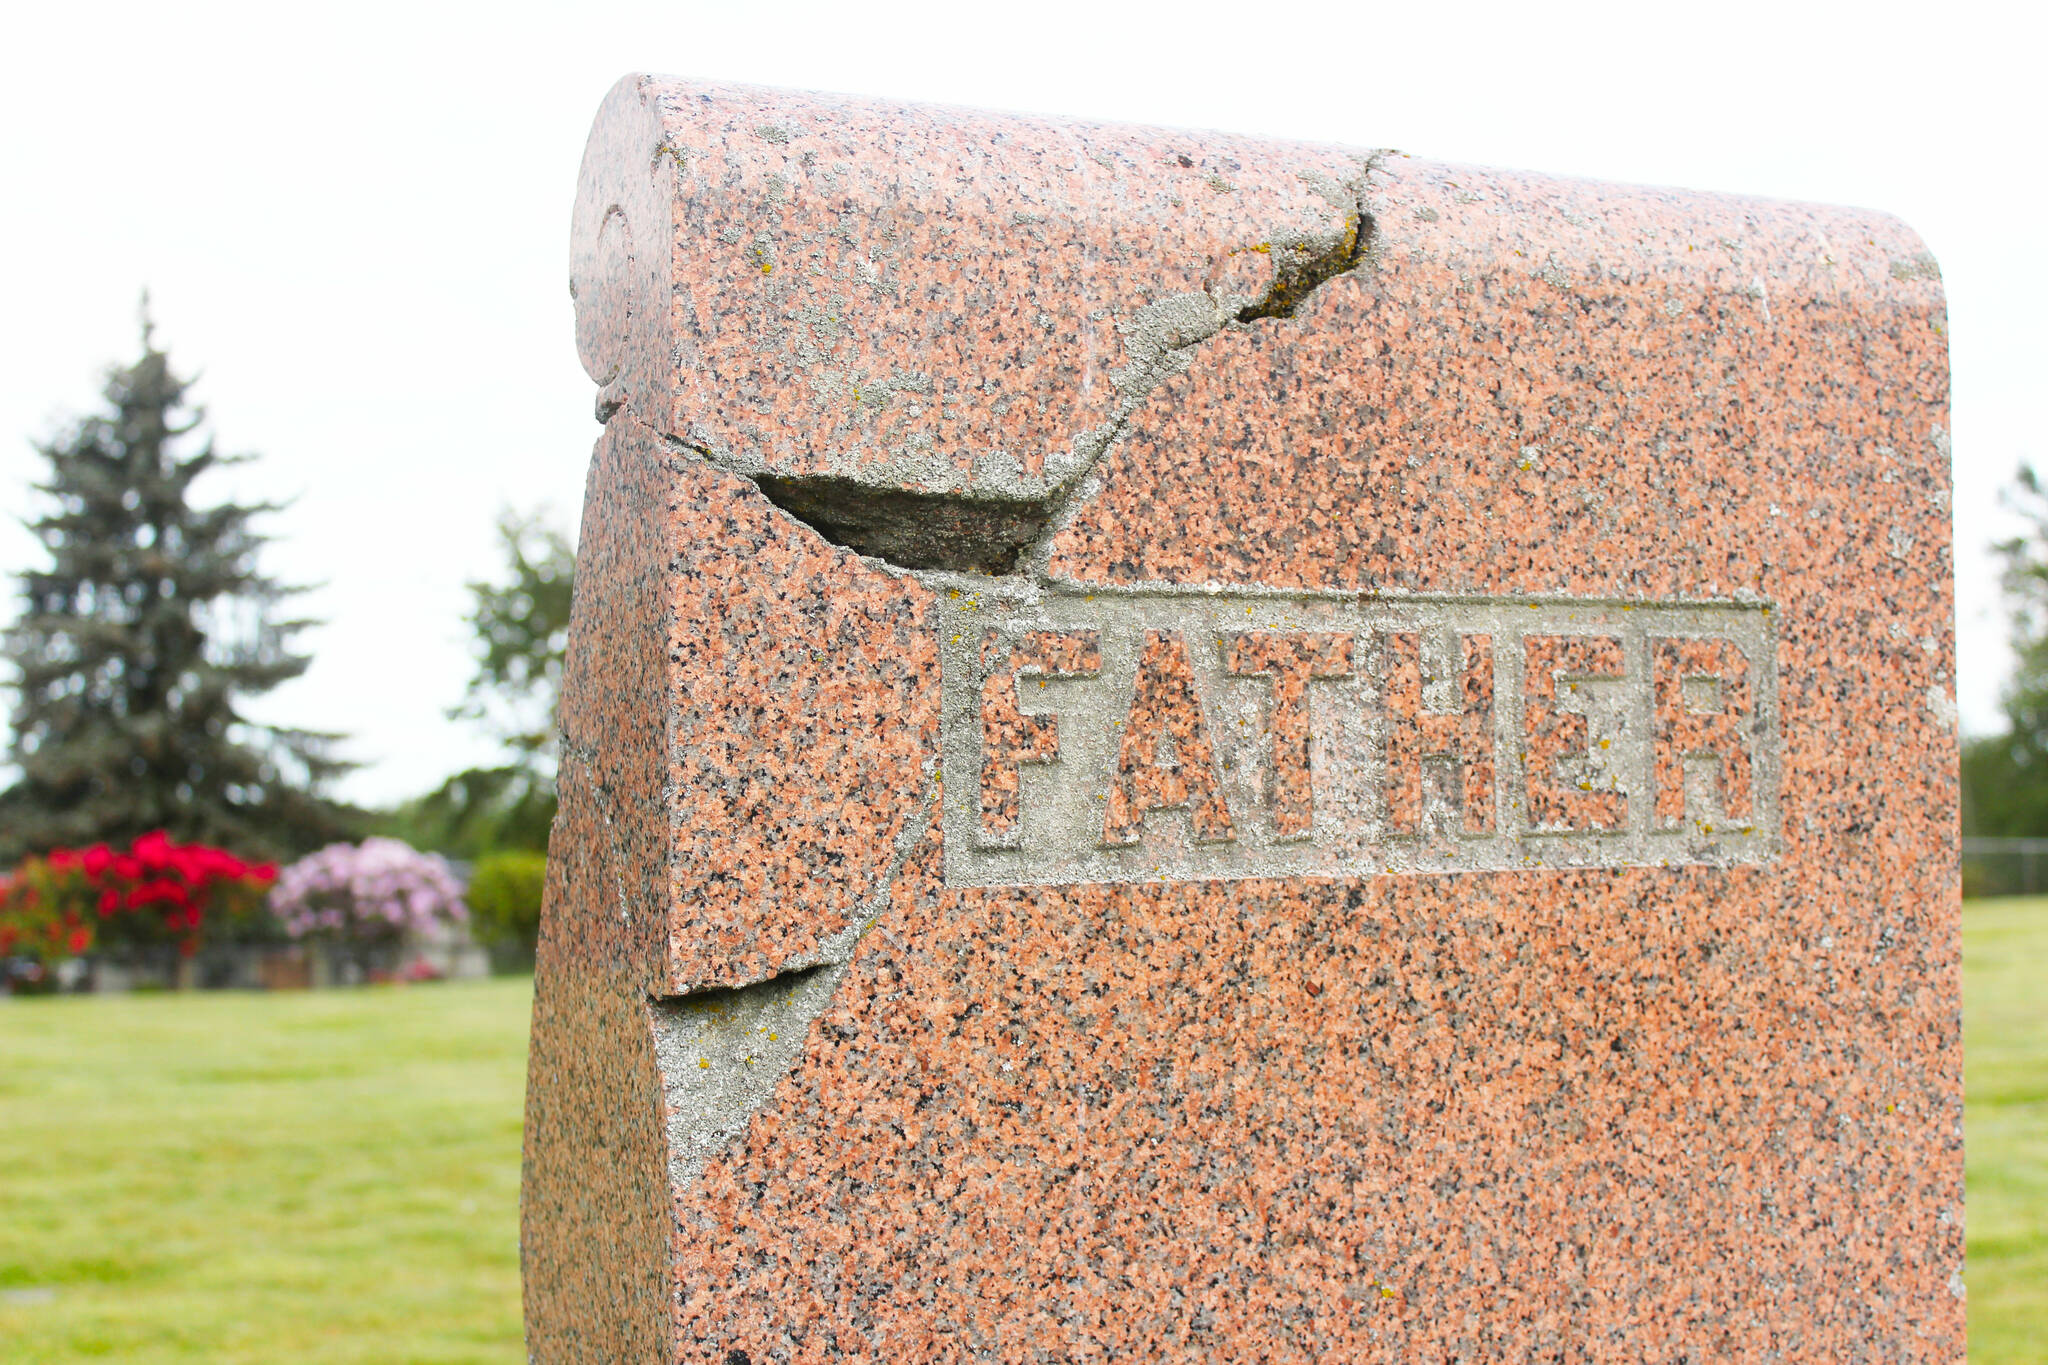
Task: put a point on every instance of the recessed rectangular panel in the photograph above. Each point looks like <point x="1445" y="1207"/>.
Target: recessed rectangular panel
<point x="1182" y="735"/>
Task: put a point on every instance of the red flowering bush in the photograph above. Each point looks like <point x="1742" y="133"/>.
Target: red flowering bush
<point x="71" y="901"/>
<point x="32" y="924"/>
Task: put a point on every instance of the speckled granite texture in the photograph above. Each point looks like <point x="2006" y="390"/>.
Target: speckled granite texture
<point x="1674" y="1109"/>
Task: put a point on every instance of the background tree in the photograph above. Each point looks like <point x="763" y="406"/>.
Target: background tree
<point x="521" y="624"/>
<point x="138" y="645"/>
<point x="2005" y="776"/>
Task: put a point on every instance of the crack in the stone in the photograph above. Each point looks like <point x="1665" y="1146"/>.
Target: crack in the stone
<point x="722" y="1050"/>
<point x="1298" y="271"/>
<point x="1301" y="265"/>
<point x="910" y="529"/>
<point x="1006" y="530"/>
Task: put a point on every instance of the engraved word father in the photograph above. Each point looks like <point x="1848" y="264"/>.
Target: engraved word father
<point x="1176" y="735"/>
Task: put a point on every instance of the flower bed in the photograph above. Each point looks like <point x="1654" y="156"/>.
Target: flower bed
<point x="155" y="896"/>
<point x="364" y="903"/>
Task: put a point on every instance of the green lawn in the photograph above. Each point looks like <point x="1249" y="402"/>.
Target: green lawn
<point x="334" y="1176"/>
<point x="326" y="1176"/>
<point x="2005" y="1127"/>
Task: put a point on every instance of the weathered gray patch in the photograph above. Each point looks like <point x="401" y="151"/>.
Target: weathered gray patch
<point x="723" y="1052"/>
<point x="1920" y="267"/>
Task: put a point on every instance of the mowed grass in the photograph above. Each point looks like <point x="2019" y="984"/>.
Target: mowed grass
<point x="334" y="1176"/>
<point x="2005" y="1128"/>
<point x="323" y="1176"/>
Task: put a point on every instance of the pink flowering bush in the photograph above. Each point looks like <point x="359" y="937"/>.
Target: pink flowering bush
<point x="375" y="892"/>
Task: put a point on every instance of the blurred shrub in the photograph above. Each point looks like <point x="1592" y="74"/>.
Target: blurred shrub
<point x="377" y="892"/>
<point x="504" y="904"/>
<point x="155" y="894"/>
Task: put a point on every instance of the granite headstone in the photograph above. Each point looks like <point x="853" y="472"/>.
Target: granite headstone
<point x="1186" y="747"/>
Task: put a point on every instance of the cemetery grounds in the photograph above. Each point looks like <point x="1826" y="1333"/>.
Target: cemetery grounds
<point x="334" y="1176"/>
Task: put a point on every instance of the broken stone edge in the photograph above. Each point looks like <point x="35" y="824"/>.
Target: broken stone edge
<point x="910" y="510"/>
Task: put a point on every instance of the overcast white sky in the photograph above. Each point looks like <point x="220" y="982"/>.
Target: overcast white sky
<point x="354" y="225"/>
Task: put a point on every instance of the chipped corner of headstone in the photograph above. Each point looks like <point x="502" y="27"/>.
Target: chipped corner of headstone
<point x="722" y="1051"/>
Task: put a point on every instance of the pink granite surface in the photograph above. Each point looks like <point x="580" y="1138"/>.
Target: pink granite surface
<point x="1705" y="1111"/>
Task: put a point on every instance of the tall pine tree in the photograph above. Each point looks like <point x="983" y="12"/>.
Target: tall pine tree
<point x="137" y="647"/>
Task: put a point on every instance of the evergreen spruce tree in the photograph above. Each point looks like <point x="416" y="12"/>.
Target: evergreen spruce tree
<point x="138" y="645"/>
